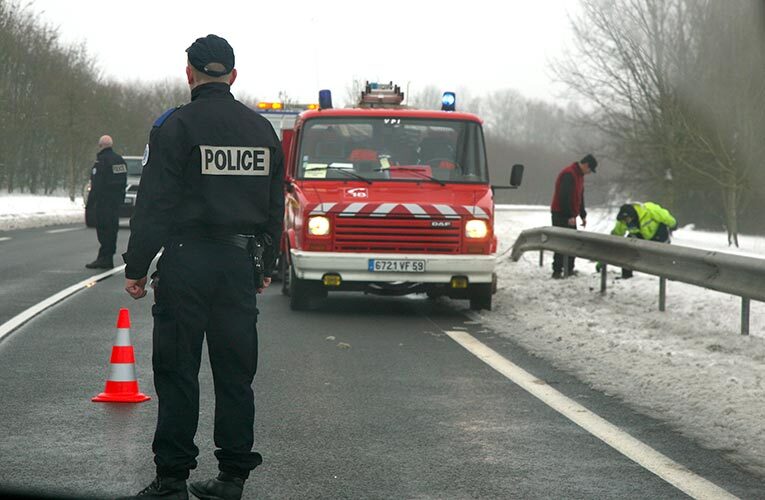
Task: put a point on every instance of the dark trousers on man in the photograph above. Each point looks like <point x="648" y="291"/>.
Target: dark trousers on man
<point x="560" y="220"/>
<point x="107" y="226"/>
<point x="205" y="288"/>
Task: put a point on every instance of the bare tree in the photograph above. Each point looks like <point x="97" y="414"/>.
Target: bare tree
<point x="662" y="81"/>
<point x="428" y="97"/>
<point x="54" y="105"/>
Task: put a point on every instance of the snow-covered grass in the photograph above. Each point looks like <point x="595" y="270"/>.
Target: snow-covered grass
<point x="688" y="366"/>
<point x="18" y="211"/>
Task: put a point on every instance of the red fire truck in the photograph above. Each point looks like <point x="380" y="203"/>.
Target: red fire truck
<point x="385" y="199"/>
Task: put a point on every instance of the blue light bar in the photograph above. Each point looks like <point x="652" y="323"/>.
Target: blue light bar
<point x="325" y="99"/>
<point x="448" y="101"/>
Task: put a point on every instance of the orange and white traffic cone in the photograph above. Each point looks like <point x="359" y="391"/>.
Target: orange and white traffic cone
<point x="122" y="386"/>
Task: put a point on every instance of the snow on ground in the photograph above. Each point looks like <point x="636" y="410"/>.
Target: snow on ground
<point x="688" y="366"/>
<point x="19" y="211"/>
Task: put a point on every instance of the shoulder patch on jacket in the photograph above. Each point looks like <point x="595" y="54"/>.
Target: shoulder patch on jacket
<point x="159" y="121"/>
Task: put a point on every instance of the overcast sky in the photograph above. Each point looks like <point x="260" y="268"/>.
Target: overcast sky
<point x="300" y="46"/>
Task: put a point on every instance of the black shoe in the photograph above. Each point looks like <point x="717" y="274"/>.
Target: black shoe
<point x="101" y="264"/>
<point x="166" y="488"/>
<point x="223" y="487"/>
<point x="557" y="275"/>
<point x="626" y="274"/>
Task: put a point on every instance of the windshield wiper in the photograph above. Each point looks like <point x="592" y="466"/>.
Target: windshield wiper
<point x="343" y="170"/>
<point x="415" y="171"/>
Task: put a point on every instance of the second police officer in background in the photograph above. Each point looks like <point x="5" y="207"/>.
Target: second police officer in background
<point x="211" y="194"/>
<point x="108" y="180"/>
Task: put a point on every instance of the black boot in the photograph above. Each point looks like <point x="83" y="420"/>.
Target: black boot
<point x="101" y="263"/>
<point x="166" y="488"/>
<point x="223" y="487"/>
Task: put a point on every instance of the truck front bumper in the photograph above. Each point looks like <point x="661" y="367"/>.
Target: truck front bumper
<point x="354" y="267"/>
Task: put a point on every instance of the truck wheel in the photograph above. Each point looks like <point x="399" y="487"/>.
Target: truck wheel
<point x="299" y="292"/>
<point x="480" y="297"/>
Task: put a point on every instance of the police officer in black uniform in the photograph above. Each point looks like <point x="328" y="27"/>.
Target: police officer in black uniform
<point x="212" y="195"/>
<point x="108" y="179"/>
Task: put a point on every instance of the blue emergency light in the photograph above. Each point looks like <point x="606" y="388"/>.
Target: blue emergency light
<point x="325" y="99"/>
<point x="448" y="101"/>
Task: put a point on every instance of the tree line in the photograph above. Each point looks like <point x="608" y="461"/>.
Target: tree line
<point x="54" y="105"/>
<point x="677" y="90"/>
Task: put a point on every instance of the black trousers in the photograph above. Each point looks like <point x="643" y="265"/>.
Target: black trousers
<point x="560" y="220"/>
<point x="107" y="226"/>
<point x="205" y="288"/>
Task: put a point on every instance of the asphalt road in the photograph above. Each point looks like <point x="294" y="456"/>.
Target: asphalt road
<point x="35" y="263"/>
<point x="362" y="397"/>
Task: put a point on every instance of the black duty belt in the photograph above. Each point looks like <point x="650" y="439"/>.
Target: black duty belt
<point x="243" y="241"/>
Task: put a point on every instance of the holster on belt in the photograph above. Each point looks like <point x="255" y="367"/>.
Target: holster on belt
<point x="256" y="247"/>
<point x="259" y="247"/>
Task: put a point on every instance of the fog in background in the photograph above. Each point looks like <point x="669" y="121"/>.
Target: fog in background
<point x="667" y="94"/>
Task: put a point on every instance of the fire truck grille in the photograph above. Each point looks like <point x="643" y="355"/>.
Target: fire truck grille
<point x="393" y="234"/>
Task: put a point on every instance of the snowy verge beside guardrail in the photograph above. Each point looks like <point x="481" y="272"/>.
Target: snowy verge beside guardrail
<point x="727" y="273"/>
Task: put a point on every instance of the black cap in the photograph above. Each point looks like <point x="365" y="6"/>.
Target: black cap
<point x="208" y="50"/>
<point x="627" y="211"/>
<point x="591" y="161"/>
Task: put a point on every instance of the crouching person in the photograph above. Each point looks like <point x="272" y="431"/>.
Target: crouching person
<point x="646" y="221"/>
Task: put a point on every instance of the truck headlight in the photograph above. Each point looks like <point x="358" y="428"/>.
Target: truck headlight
<point x="476" y="228"/>
<point x="318" y="225"/>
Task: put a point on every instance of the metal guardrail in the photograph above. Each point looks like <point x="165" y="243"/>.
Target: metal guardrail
<point x="723" y="272"/>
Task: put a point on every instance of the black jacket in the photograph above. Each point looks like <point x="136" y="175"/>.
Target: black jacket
<point x="213" y="166"/>
<point x="108" y="178"/>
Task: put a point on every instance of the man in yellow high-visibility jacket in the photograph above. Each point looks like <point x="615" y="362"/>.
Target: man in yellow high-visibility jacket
<point x="646" y="221"/>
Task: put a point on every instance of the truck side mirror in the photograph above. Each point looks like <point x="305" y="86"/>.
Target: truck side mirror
<point x="516" y="175"/>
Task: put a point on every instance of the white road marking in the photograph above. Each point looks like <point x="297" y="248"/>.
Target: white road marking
<point x="670" y="471"/>
<point x="36" y="309"/>
<point x="5" y="238"/>
<point x="64" y="230"/>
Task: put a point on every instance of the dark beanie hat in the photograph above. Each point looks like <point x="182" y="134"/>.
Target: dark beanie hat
<point x="627" y="211"/>
<point x="591" y="161"/>
<point x="208" y="50"/>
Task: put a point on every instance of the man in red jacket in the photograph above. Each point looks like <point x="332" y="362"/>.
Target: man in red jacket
<point x="568" y="204"/>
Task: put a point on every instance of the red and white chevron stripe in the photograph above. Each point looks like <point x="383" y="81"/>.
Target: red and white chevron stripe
<point x="416" y="210"/>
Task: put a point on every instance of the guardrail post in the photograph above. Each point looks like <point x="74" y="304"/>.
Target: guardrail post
<point x="603" y="278"/>
<point x="541" y="258"/>
<point x="662" y="294"/>
<point x="744" y="316"/>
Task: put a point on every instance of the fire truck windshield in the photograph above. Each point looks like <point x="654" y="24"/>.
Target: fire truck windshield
<point x="393" y="149"/>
